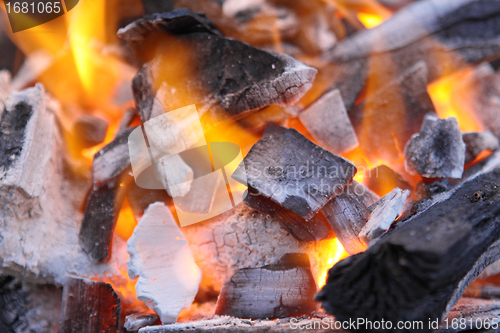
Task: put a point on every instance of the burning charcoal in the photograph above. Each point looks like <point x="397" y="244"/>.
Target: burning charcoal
<point x="475" y="143"/>
<point x="282" y="289"/>
<point x="160" y="257"/>
<point x="89" y="307"/>
<point x="144" y="92"/>
<point x="137" y="321"/>
<point x="11" y="55"/>
<point x="480" y="291"/>
<point x="90" y="130"/>
<point x="383" y="180"/>
<point x="431" y="257"/>
<point x="398" y="107"/>
<point x="437" y="151"/>
<point x="175" y="175"/>
<point x="347" y="214"/>
<point x="111" y="161"/>
<point x="328" y="123"/>
<point x="251" y="78"/>
<point x="99" y="220"/>
<point x="26" y="135"/>
<point x="461" y="32"/>
<point x="294" y="172"/>
<point x="382" y="214"/>
<point x="317" y="228"/>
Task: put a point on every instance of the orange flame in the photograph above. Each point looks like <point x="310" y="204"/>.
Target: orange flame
<point x="334" y="252"/>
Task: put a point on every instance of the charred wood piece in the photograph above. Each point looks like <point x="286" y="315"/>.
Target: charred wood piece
<point x="383" y="179"/>
<point x="383" y="213"/>
<point x="161" y="259"/>
<point x="328" y="123"/>
<point x="251" y="78"/>
<point x="294" y="173"/>
<point x="438" y="151"/>
<point x="282" y="289"/>
<point x="111" y="161"/>
<point x="90" y="130"/>
<point x="425" y="263"/>
<point x="99" y="220"/>
<point x="317" y="228"/>
<point x="475" y="143"/>
<point x="347" y="214"/>
<point x="89" y="307"/>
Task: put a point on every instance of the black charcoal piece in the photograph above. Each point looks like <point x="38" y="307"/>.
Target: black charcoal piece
<point x="294" y="172"/>
<point x="390" y="115"/>
<point x="12" y="130"/>
<point x="99" y="220"/>
<point x="111" y="161"/>
<point x="248" y="78"/>
<point x="438" y="151"/>
<point x="347" y="214"/>
<point x="383" y="179"/>
<point x="328" y="123"/>
<point x="282" y="289"/>
<point x="317" y="228"/>
<point x="90" y="130"/>
<point x="89" y="307"/>
<point x="475" y="143"/>
<point x="157" y="6"/>
<point x="425" y="263"/>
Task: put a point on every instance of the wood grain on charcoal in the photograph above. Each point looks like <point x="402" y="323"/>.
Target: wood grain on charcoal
<point x="425" y="263"/>
<point x="282" y="289"/>
<point x="89" y="307"/>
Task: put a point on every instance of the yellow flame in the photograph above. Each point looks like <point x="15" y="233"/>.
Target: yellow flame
<point x="335" y="252"/>
<point x="370" y="20"/>
<point x="442" y="97"/>
<point x="126" y="221"/>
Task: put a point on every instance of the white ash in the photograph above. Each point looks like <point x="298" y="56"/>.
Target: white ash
<point x="162" y="260"/>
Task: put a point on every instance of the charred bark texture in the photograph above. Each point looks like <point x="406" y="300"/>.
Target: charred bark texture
<point x="420" y="269"/>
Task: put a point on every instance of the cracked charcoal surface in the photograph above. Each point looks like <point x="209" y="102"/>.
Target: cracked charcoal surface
<point x="281" y="289"/>
<point x="12" y="128"/>
<point x="294" y="172"/>
<point x="437" y="151"/>
<point x="248" y="78"/>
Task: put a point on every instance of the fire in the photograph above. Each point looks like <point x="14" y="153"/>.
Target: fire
<point x="370" y="20"/>
<point x="126" y="221"/>
<point x="334" y="252"/>
<point x="441" y="93"/>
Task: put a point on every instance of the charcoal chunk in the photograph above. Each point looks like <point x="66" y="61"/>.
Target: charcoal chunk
<point x="328" y="123"/>
<point x="248" y="78"/>
<point x="437" y="151"/>
<point x="90" y="130"/>
<point x="475" y="143"/>
<point x="89" y="307"/>
<point x="282" y="289"/>
<point x="294" y="172"/>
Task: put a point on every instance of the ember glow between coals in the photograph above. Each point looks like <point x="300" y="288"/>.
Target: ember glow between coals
<point x="86" y="77"/>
